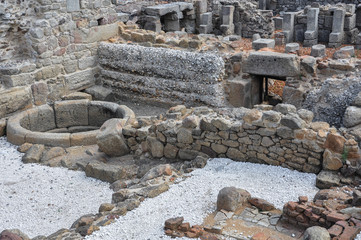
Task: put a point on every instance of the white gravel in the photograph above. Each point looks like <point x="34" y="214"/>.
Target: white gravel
<point x="195" y="197"/>
<point x="40" y="200"/>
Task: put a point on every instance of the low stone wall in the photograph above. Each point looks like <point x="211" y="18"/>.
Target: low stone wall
<point x="167" y="74"/>
<point x="280" y="136"/>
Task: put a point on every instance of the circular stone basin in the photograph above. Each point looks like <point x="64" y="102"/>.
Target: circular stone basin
<point x="65" y="124"/>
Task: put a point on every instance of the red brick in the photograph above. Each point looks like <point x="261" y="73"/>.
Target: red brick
<point x="302" y="199"/>
<point x="314" y="217"/>
<point x="308" y="212"/>
<point x="173" y="223"/>
<point x="301" y="208"/>
<point x="335" y="230"/>
<point x="343" y="223"/>
<point x="335" y="217"/>
<point x="185" y="227"/>
<point x="317" y="210"/>
<point x="349" y="233"/>
<point x="259" y="236"/>
<point x="191" y="235"/>
<point x="292" y="205"/>
<point x="301" y="218"/>
<point x="356" y="222"/>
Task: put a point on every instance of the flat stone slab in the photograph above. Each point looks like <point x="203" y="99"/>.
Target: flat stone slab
<point x="263" y="43"/>
<point x="272" y="64"/>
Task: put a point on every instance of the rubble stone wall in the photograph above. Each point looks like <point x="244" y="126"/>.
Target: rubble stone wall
<point x="280" y="136"/>
<point x="291" y="5"/>
<point x="48" y="48"/>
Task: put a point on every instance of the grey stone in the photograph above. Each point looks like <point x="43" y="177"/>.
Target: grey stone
<point x="156" y="147"/>
<point x="337" y="34"/>
<point x="110" y="138"/>
<point x="33" y="155"/>
<point x="309" y="64"/>
<point x="2" y="126"/>
<point x="104" y="172"/>
<point x="292" y="122"/>
<point x="255" y="37"/>
<point x="231" y="198"/>
<point x="278" y="22"/>
<point x="305" y="115"/>
<point x="327" y="179"/>
<point x="184" y="135"/>
<point x="157" y="171"/>
<point x="345" y="52"/>
<point x="292" y="47"/>
<point x="357" y="101"/>
<point x="312" y="26"/>
<point x="153" y="191"/>
<point x="316" y="233"/>
<point x="285" y="108"/>
<point x="352" y="116"/>
<point x="72" y="5"/>
<point x="267" y="64"/>
<point x="71" y="113"/>
<point x="285" y="132"/>
<point x="263" y="43"/>
<point x="318" y="50"/>
<point x="288" y="26"/>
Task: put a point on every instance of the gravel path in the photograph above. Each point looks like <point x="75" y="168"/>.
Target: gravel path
<point x="195" y="197"/>
<point x="40" y="200"/>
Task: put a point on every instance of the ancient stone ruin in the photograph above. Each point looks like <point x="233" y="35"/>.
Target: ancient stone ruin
<point x="272" y="82"/>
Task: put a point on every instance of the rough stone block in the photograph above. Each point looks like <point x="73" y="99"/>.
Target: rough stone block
<point x="80" y="80"/>
<point x="350" y="22"/>
<point x="110" y="138"/>
<point x="263" y="43"/>
<point x="278" y="21"/>
<point x="41" y="119"/>
<point x="49" y="139"/>
<point x="268" y="64"/>
<point x="318" y="50"/>
<point x="84" y="138"/>
<point x="71" y="113"/>
<point x="15" y="99"/>
<point x="288" y="26"/>
<point x="292" y="47"/>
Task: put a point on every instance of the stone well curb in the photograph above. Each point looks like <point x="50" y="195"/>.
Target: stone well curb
<point x="64" y="114"/>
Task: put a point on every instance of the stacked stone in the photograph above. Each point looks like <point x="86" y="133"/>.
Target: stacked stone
<point x="62" y="47"/>
<point x="170" y="75"/>
<point x="173" y="15"/>
<point x="330" y="208"/>
<point x="282" y="137"/>
<point x="335" y="25"/>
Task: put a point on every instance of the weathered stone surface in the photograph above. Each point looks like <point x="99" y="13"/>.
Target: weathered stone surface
<point x="104" y="172"/>
<point x="261" y="204"/>
<point x="352" y="116"/>
<point x="34" y="154"/>
<point x="191" y="122"/>
<point x="327" y="179"/>
<point x="156" y="147"/>
<point x="71" y="113"/>
<point x="106" y="207"/>
<point x="316" y="233"/>
<point x="15" y="99"/>
<point x="77" y="96"/>
<point x="173" y="223"/>
<point x="170" y="151"/>
<point x="13" y="234"/>
<point x="285" y="108"/>
<point x="268" y="64"/>
<point x="110" y="138"/>
<point x="335" y="143"/>
<point x="331" y="161"/>
<point x="99" y="93"/>
<point x="2" y="126"/>
<point x="231" y="198"/>
<point x="184" y="135"/>
<point x="153" y="191"/>
<point x="164" y="169"/>
<point x="52" y="153"/>
<point x="41" y="119"/>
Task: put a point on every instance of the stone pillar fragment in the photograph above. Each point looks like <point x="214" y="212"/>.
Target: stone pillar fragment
<point x="311" y="35"/>
<point x="289" y="26"/>
<point x="227" y="26"/>
<point x="206" y="23"/>
<point x="358" y="16"/>
<point x="200" y="7"/>
<point x="152" y="23"/>
<point x="262" y="4"/>
<point x="337" y="34"/>
<point x="171" y="22"/>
